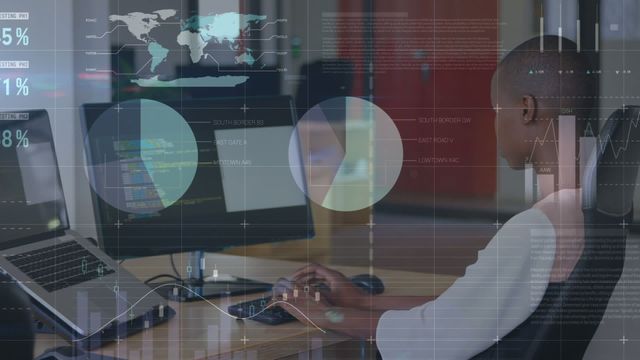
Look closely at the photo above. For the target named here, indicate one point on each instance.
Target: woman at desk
(534, 248)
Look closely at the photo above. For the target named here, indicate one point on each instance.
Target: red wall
(417, 80)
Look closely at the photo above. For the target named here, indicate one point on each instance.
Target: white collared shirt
(496, 294)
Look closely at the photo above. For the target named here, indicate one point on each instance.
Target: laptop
(74, 286)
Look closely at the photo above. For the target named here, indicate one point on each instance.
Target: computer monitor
(157, 189)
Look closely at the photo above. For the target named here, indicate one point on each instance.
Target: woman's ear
(528, 105)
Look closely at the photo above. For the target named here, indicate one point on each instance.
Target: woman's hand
(316, 311)
(305, 307)
(336, 288)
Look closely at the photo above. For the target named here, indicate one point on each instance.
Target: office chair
(16, 322)
(562, 326)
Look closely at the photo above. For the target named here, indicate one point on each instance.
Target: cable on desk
(162, 276)
(173, 265)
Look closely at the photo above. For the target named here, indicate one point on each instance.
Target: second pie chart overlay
(351, 152)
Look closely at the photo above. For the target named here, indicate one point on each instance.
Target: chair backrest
(322, 80)
(610, 177)
(570, 312)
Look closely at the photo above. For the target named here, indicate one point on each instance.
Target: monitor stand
(198, 287)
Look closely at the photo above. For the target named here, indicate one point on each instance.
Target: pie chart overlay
(144, 154)
(351, 153)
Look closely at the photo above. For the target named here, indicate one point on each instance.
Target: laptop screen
(31, 198)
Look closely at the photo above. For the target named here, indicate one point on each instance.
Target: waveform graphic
(272, 304)
(550, 136)
(550, 131)
(607, 140)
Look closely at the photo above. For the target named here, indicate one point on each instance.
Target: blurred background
(427, 63)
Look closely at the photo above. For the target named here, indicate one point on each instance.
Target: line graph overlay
(603, 142)
(272, 304)
(550, 136)
(95, 36)
(269, 23)
(549, 132)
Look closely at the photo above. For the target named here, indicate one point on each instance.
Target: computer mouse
(369, 283)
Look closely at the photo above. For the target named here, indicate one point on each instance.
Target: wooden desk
(199, 331)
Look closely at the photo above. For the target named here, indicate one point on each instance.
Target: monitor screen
(267, 149)
(194, 175)
(31, 198)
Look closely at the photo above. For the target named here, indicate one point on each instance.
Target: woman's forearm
(362, 322)
(356, 323)
(394, 302)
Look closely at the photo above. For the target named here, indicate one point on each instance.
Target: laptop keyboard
(59, 266)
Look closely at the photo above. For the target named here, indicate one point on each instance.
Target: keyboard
(253, 309)
(59, 266)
